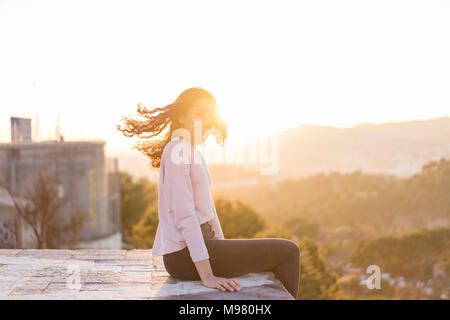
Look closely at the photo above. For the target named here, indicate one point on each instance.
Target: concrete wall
(90, 180)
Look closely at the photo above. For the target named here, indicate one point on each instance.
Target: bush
(145, 230)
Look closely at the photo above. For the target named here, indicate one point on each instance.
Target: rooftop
(113, 274)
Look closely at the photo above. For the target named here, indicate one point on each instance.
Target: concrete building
(91, 180)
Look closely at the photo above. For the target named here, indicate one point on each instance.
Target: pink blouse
(184, 201)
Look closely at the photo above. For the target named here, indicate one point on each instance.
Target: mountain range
(395, 148)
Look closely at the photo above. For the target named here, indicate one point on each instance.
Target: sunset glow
(337, 64)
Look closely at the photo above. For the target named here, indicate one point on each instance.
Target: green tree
(145, 230)
(238, 220)
(301, 227)
(410, 255)
(274, 232)
(135, 198)
(317, 280)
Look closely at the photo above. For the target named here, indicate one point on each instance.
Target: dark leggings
(235, 257)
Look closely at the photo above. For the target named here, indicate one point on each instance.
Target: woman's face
(200, 111)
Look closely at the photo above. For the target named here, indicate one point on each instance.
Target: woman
(189, 235)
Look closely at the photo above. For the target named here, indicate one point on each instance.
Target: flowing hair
(161, 122)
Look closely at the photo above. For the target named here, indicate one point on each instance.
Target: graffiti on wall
(8, 238)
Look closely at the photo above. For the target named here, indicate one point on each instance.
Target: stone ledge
(113, 274)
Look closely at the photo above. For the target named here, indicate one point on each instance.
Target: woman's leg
(235, 257)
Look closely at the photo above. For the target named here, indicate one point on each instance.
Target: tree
(135, 198)
(317, 280)
(145, 230)
(237, 219)
(60, 234)
(39, 208)
(301, 227)
(274, 232)
(410, 255)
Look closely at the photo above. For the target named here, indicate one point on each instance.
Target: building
(91, 180)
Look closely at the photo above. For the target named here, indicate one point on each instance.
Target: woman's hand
(223, 284)
(211, 281)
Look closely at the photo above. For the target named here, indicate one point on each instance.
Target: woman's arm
(211, 281)
(181, 201)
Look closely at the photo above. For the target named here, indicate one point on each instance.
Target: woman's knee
(284, 247)
(292, 249)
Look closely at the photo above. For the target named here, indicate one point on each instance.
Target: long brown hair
(167, 119)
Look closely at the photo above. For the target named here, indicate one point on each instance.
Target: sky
(272, 65)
